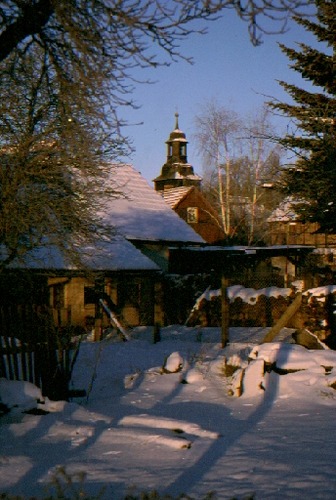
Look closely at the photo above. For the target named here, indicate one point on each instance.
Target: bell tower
(176, 171)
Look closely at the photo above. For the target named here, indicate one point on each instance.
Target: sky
(227, 68)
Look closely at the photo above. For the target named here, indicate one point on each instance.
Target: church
(181, 189)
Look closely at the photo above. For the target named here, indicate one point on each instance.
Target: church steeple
(176, 171)
(177, 145)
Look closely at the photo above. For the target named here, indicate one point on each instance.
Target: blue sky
(227, 68)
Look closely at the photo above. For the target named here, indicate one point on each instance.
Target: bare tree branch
(110, 24)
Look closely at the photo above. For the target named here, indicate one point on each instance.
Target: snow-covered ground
(144, 426)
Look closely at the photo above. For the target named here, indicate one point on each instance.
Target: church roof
(175, 174)
(173, 196)
(177, 134)
(176, 171)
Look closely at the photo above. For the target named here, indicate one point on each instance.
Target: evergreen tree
(312, 182)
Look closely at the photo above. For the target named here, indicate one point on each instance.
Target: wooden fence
(33, 349)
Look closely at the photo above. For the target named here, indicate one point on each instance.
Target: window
(183, 150)
(192, 215)
(128, 294)
(90, 296)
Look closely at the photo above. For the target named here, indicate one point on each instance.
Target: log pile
(316, 313)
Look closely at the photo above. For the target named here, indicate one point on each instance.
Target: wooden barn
(126, 270)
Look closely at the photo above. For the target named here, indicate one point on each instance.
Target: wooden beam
(282, 322)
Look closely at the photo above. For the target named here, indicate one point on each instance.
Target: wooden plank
(14, 352)
(3, 366)
(37, 366)
(31, 355)
(9, 358)
(24, 368)
(283, 320)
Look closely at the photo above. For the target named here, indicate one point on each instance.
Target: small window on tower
(192, 215)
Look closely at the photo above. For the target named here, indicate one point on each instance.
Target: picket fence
(34, 349)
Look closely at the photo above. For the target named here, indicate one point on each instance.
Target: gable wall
(207, 225)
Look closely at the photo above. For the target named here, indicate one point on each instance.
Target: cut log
(308, 339)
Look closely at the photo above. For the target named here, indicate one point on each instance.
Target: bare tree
(239, 156)
(65, 69)
(263, 156)
(99, 42)
(216, 135)
(52, 169)
(110, 29)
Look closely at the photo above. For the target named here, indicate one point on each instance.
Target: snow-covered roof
(142, 214)
(285, 212)
(116, 255)
(139, 214)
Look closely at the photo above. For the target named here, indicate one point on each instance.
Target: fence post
(156, 333)
(225, 311)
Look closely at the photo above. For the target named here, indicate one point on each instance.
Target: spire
(176, 121)
(176, 171)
